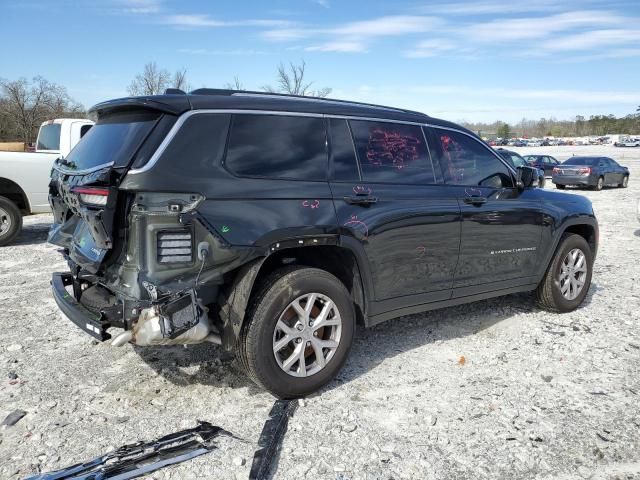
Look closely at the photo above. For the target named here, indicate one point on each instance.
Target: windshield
(49, 137)
(580, 161)
(114, 139)
(518, 161)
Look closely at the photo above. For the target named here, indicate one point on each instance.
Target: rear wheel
(10, 221)
(599, 184)
(561, 187)
(568, 277)
(625, 182)
(298, 332)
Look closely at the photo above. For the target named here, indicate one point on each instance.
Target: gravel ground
(495, 389)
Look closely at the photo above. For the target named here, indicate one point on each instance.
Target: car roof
(216, 99)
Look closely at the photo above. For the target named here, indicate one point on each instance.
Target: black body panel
(413, 246)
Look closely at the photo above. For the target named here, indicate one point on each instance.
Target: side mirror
(527, 177)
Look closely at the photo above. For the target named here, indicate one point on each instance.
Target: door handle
(475, 200)
(361, 200)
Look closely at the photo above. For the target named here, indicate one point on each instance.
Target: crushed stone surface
(495, 389)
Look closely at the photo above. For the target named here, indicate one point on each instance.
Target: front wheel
(625, 182)
(568, 277)
(298, 333)
(10, 221)
(560, 187)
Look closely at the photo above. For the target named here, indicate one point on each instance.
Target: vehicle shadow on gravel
(208, 364)
(32, 234)
(204, 364)
(407, 333)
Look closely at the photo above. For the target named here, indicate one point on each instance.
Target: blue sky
(474, 61)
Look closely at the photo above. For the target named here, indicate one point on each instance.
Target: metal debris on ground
(140, 458)
(13, 418)
(271, 438)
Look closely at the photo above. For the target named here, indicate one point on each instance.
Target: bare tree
(154, 80)
(27, 104)
(180, 80)
(235, 85)
(291, 80)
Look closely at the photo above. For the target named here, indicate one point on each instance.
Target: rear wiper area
(137, 459)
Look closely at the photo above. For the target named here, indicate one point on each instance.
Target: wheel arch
(11, 190)
(585, 226)
(339, 260)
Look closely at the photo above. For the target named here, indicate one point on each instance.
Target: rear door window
(467, 161)
(342, 152)
(277, 146)
(392, 152)
(49, 137)
(113, 139)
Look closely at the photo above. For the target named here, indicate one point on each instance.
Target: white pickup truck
(24, 176)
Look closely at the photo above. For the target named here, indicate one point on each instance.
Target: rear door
(501, 226)
(83, 189)
(393, 207)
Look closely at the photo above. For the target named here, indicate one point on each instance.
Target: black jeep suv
(270, 224)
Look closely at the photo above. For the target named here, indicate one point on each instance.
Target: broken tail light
(92, 195)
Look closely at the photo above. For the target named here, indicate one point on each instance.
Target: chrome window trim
(187, 115)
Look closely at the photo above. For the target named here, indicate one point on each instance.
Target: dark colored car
(544, 162)
(520, 143)
(594, 172)
(516, 160)
(270, 224)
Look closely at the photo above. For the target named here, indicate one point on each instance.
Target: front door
(501, 226)
(390, 202)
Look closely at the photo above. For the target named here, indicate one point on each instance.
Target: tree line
(579, 126)
(25, 104)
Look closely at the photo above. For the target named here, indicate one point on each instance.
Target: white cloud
(431, 48)
(141, 7)
(344, 47)
(231, 52)
(593, 39)
(538, 27)
(387, 26)
(196, 20)
(322, 3)
(494, 7)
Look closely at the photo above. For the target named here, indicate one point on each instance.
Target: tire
(255, 347)
(560, 187)
(625, 182)
(10, 221)
(599, 184)
(549, 292)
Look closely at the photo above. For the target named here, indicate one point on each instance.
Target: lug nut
(298, 340)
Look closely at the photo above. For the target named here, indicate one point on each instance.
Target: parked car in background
(545, 162)
(594, 172)
(269, 224)
(516, 160)
(628, 142)
(519, 143)
(24, 176)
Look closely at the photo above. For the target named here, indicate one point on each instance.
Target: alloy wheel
(5, 221)
(307, 335)
(573, 274)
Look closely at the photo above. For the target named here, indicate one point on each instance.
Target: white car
(24, 176)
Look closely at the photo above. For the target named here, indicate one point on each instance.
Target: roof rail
(250, 93)
(174, 91)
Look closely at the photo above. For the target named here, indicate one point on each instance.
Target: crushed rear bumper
(83, 318)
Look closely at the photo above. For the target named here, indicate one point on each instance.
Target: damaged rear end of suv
(133, 255)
